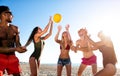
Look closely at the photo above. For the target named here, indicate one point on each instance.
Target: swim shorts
(64, 61)
(89, 61)
(10, 63)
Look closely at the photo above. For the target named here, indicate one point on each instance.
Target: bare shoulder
(14, 27)
(78, 41)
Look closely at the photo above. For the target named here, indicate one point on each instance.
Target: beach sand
(51, 69)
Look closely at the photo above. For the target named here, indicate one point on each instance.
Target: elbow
(45, 31)
(50, 32)
(55, 40)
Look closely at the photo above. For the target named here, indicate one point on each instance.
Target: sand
(50, 70)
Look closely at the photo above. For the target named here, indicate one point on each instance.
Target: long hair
(63, 40)
(32, 36)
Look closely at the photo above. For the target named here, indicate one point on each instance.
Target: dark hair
(32, 36)
(3, 8)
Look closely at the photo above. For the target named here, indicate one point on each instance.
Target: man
(9, 43)
(109, 57)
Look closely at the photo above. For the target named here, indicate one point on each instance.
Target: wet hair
(32, 36)
(3, 8)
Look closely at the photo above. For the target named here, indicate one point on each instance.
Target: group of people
(87, 46)
(10, 43)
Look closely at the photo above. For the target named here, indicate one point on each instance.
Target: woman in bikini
(38, 40)
(65, 45)
(89, 57)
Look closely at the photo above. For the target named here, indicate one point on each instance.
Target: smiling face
(82, 32)
(7, 16)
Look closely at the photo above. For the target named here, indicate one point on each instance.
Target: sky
(94, 15)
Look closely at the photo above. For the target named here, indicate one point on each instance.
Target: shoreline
(51, 70)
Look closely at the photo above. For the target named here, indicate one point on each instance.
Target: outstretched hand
(59, 28)
(21, 49)
(50, 18)
(67, 27)
(74, 49)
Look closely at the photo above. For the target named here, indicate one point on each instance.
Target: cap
(3, 8)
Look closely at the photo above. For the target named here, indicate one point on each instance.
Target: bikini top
(66, 48)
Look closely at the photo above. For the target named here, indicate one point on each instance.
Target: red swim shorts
(10, 63)
(89, 61)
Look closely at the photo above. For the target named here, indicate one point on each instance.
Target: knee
(111, 68)
(79, 73)
(33, 74)
(58, 73)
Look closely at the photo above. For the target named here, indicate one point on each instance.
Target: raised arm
(50, 31)
(95, 44)
(57, 35)
(46, 28)
(67, 29)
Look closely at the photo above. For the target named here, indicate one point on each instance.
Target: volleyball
(57, 17)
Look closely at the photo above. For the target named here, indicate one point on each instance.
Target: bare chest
(83, 43)
(7, 33)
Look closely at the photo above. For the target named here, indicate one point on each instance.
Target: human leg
(13, 66)
(68, 69)
(94, 69)
(109, 70)
(59, 69)
(38, 64)
(33, 66)
(3, 63)
(81, 69)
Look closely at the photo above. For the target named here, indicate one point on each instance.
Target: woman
(106, 47)
(38, 40)
(65, 45)
(89, 57)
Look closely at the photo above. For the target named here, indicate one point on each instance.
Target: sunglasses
(9, 13)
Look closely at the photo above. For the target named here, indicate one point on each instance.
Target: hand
(21, 49)
(50, 20)
(67, 27)
(59, 28)
(74, 49)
